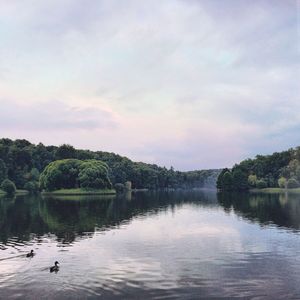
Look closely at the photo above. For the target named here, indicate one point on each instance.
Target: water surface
(176, 245)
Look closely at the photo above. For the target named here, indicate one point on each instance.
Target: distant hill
(22, 162)
(281, 169)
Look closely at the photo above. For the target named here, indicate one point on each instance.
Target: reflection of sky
(184, 251)
(212, 246)
(178, 81)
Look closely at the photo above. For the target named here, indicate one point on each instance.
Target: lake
(163, 245)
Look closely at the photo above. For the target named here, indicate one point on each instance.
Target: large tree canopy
(74, 173)
(94, 174)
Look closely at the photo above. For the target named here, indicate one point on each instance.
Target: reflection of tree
(19, 217)
(68, 219)
(280, 209)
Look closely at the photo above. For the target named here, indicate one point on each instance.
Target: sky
(193, 84)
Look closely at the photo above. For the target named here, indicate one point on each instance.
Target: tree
(65, 151)
(32, 186)
(94, 174)
(60, 174)
(294, 169)
(3, 170)
(292, 183)
(282, 182)
(252, 180)
(220, 182)
(261, 184)
(74, 173)
(8, 186)
(119, 187)
(34, 174)
(22, 161)
(227, 181)
(239, 180)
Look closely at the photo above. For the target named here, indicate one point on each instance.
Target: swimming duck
(55, 268)
(30, 254)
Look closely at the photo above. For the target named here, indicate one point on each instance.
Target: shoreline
(17, 193)
(79, 192)
(276, 191)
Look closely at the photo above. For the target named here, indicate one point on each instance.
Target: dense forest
(22, 162)
(281, 169)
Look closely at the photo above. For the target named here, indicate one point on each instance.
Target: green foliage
(34, 174)
(268, 168)
(239, 180)
(32, 186)
(3, 170)
(292, 183)
(220, 183)
(23, 161)
(60, 174)
(292, 170)
(252, 180)
(119, 187)
(261, 184)
(8, 186)
(94, 174)
(232, 180)
(65, 151)
(227, 181)
(74, 173)
(282, 182)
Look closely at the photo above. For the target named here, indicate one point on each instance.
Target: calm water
(177, 245)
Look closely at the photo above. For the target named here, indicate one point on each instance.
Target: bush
(8, 186)
(32, 186)
(292, 183)
(261, 184)
(282, 182)
(119, 187)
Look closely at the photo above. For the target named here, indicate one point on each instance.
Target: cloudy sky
(186, 83)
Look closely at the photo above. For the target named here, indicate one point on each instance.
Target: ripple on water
(163, 251)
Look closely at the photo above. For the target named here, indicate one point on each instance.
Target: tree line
(23, 162)
(281, 169)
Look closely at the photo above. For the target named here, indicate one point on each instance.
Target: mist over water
(175, 245)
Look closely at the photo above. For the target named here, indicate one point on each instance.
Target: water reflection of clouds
(186, 249)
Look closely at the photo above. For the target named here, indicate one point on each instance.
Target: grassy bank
(22, 192)
(276, 191)
(80, 192)
(18, 192)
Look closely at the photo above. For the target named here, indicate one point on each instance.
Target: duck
(55, 268)
(30, 254)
